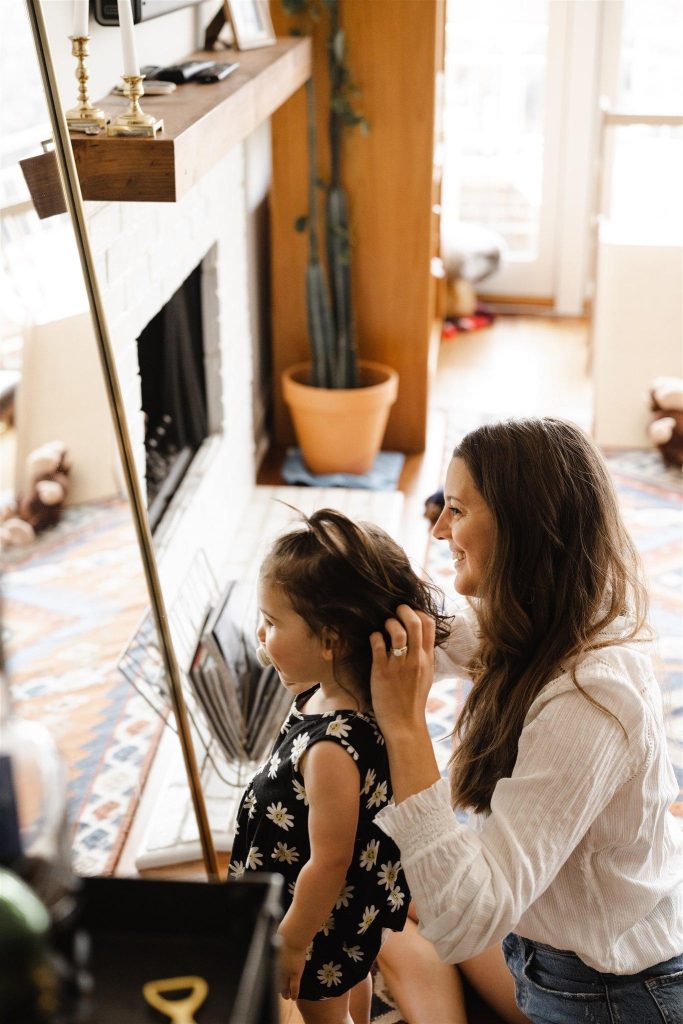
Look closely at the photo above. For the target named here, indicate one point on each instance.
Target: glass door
(504, 78)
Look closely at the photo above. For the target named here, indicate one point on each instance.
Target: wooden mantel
(201, 123)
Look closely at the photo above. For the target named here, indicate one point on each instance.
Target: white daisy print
(344, 896)
(369, 915)
(300, 792)
(291, 887)
(330, 974)
(350, 750)
(280, 815)
(388, 874)
(254, 858)
(309, 952)
(328, 926)
(298, 747)
(338, 727)
(379, 795)
(250, 803)
(396, 899)
(354, 952)
(274, 765)
(285, 854)
(370, 777)
(237, 869)
(368, 857)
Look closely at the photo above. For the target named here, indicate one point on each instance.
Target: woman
(572, 860)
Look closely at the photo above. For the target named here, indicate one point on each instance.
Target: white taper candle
(130, 57)
(80, 19)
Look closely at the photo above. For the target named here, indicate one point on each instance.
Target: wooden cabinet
(395, 51)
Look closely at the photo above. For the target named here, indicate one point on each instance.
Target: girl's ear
(332, 645)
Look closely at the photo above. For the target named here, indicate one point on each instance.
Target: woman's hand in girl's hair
(400, 683)
(292, 962)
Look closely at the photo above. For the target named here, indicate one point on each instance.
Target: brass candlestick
(84, 115)
(135, 121)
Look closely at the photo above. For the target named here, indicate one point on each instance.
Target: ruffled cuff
(421, 821)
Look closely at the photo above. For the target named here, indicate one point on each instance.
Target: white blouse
(579, 850)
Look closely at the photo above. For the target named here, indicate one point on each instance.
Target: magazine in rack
(244, 704)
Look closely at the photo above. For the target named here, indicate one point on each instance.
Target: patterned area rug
(71, 602)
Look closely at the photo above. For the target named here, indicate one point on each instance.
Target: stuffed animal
(666, 429)
(43, 503)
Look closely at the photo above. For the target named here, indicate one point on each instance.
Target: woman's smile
(468, 525)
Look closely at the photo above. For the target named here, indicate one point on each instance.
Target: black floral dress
(272, 835)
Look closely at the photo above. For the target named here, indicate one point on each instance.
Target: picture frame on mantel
(251, 23)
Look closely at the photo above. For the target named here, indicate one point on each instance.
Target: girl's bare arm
(332, 788)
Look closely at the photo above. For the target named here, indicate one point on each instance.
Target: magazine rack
(142, 666)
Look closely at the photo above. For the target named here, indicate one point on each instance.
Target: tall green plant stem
(337, 218)
(320, 325)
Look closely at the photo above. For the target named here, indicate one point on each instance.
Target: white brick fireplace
(143, 253)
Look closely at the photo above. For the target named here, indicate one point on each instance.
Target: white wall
(164, 40)
(637, 334)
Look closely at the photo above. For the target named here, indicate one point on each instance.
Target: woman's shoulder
(620, 677)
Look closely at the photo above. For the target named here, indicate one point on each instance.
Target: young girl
(573, 861)
(308, 812)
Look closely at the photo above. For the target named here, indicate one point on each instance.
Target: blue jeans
(553, 986)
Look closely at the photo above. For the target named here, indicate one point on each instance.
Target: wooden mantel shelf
(201, 123)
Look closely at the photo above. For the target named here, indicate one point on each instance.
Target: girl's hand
(400, 684)
(292, 961)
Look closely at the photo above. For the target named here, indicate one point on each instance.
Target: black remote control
(185, 72)
(217, 72)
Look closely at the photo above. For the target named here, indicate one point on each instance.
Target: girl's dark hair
(563, 568)
(349, 578)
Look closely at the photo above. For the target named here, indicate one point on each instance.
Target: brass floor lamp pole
(74, 201)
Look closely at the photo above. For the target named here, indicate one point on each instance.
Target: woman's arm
(471, 887)
(332, 788)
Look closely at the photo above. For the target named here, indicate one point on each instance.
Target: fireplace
(173, 386)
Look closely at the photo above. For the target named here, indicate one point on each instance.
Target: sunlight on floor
(520, 366)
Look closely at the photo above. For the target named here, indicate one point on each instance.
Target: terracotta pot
(340, 430)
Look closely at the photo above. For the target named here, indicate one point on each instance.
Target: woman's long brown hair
(562, 570)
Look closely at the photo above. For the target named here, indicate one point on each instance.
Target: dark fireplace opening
(171, 360)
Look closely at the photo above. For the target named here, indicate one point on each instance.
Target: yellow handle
(179, 1011)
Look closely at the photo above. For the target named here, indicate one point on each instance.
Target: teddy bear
(666, 429)
(42, 504)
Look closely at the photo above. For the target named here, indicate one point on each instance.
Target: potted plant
(339, 404)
